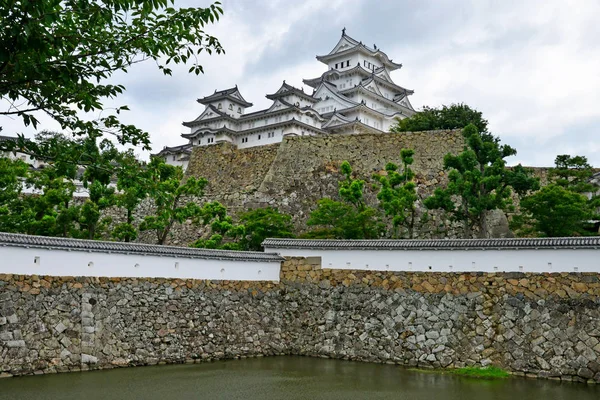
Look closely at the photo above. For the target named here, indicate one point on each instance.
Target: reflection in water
(283, 378)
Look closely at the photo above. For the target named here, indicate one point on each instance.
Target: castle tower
(356, 94)
(357, 89)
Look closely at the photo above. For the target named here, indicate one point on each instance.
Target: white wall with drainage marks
(58, 262)
(458, 260)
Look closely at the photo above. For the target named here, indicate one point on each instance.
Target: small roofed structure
(176, 155)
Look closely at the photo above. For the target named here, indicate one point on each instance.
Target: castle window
(258, 137)
(365, 62)
(219, 107)
(348, 63)
(173, 157)
(210, 140)
(239, 110)
(231, 107)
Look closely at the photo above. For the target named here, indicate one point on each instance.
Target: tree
(479, 181)
(100, 158)
(12, 175)
(564, 206)
(173, 198)
(573, 173)
(56, 57)
(224, 234)
(350, 218)
(132, 184)
(263, 223)
(398, 194)
(455, 116)
(49, 212)
(552, 211)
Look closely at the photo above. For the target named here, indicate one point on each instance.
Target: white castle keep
(356, 94)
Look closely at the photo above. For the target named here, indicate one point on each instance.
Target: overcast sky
(532, 67)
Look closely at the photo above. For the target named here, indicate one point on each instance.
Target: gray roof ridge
(416, 244)
(20, 240)
(361, 86)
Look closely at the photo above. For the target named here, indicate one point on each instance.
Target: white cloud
(531, 67)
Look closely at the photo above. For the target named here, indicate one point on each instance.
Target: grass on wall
(479, 372)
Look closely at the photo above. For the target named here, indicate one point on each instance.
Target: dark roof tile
(437, 244)
(12, 239)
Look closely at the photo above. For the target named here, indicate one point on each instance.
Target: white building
(17, 155)
(356, 94)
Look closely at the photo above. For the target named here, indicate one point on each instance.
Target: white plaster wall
(223, 137)
(372, 60)
(388, 94)
(329, 105)
(530, 260)
(21, 260)
(264, 138)
(204, 140)
(352, 58)
(176, 162)
(387, 123)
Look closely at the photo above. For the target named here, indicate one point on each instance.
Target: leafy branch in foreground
(56, 58)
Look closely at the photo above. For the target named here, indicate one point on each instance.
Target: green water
(283, 378)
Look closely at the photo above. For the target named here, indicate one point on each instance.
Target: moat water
(286, 378)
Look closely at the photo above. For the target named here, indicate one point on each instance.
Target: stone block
(65, 354)
(60, 327)
(15, 343)
(12, 319)
(88, 359)
(585, 373)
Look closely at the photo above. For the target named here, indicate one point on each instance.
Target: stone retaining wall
(545, 325)
(294, 174)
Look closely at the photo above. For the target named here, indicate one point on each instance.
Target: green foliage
(174, 199)
(553, 211)
(479, 181)
(455, 116)
(58, 56)
(99, 157)
(125, 232)
(349, 218)
(223, 231)
(12, 174)
(398, 194)
(51, 213)
(132, 184)
(563, 207)
(490, 372)
(573, 173)
(263, 223)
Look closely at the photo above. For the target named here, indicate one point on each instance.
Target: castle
(355, 95)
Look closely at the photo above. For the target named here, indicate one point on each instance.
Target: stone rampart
(296, 173)
(545, 325)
